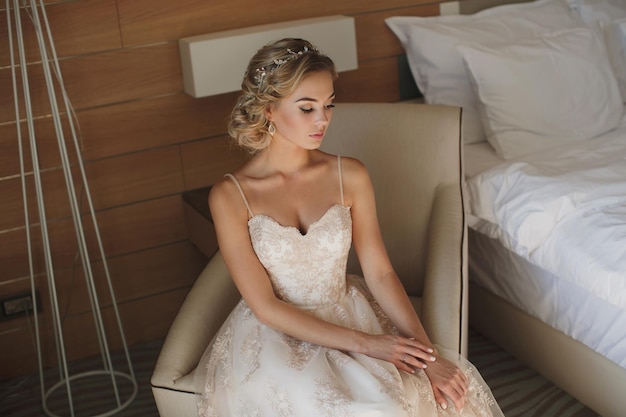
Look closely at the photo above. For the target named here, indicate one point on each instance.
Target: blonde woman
(307, 339)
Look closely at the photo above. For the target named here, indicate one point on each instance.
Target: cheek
(292, 121)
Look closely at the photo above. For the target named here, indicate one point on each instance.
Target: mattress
(561, 303)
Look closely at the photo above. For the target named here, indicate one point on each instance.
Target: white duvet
(563, 210)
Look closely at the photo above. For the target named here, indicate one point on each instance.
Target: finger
(406, 367)
(456, 394)
(462, 382)
(440, 398)
(459, 403)
(421, 346)
(421, 355)
(413, 361)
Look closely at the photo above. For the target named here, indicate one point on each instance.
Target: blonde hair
(273, 73)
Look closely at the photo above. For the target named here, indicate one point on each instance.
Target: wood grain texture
(124, 229)
(78, 27)
(147, 21)
(122, 75)
(134, 276)
(151, 123)
(134, 177)
(113, 182)
(374, 81)
(48, 154)
(148, 318)
(98, 79)
(56, 203)
(203, 168)
(375, 39)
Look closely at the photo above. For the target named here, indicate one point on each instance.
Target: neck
(286, 161)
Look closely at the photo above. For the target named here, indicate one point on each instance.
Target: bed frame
(594, 380)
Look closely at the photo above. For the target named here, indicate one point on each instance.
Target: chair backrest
(409, 149)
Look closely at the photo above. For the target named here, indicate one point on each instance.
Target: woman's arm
(386, 287)
(372, 254)
(230, 218)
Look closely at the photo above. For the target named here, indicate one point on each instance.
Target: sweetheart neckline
(295, 227)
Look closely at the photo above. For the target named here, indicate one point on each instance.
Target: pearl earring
(271, 129)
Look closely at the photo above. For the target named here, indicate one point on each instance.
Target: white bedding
(557, 302)
(557, 282)
(563, 210)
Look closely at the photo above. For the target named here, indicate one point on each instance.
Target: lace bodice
(307, 270)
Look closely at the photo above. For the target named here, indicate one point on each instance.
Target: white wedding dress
(252, 370)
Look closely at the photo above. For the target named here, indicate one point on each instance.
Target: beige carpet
(520, 391)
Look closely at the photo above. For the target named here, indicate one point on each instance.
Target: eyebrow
(312, 99)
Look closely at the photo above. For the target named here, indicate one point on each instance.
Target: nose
(323, 119)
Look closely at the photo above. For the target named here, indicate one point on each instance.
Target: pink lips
(318, 135)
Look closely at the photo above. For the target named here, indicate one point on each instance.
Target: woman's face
(302, 117)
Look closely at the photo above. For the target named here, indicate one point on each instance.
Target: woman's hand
(447, 379)
(406, 354)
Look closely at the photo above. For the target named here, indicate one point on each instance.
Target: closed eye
(305, 111)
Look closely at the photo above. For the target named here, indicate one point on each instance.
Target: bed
(542, 85)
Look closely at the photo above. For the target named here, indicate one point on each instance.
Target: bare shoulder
(353, 170)
(356, 179)
(225, 197)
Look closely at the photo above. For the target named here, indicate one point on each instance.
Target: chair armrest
(205, 308)
(445, 283)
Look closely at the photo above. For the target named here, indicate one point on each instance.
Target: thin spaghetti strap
(340, 179)
(245, 200)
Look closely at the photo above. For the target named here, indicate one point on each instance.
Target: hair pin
(261, 73)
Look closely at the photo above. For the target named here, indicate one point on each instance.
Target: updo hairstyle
(273, 73)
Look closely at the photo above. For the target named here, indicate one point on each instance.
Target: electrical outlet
(17, 305)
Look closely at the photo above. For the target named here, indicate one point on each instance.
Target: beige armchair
(413, 153)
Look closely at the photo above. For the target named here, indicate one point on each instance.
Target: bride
(307, 339)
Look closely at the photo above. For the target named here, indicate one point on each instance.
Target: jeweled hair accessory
(261, 73)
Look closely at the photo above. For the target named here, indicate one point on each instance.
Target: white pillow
(607, 16)
(593, 11)
(430, 44)
(544, 92)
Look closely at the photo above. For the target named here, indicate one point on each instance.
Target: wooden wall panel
(113, 182)
(12, 205)
(124, 229)
(134, 177)
(143, 142)
(39, 97)
(138, 226)
(375, 39)
(139, 125)
(151, 271)
(147, 318)
(380, 77)
(47, 2)
(123, 75)
(55, 199)
(99, 79)
(201, 166)
(14, 256)
(9, 151)
(147, 21)
(47, 146)
(78, 27)
(17, 361)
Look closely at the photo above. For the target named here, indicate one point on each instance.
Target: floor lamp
(51, 70)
